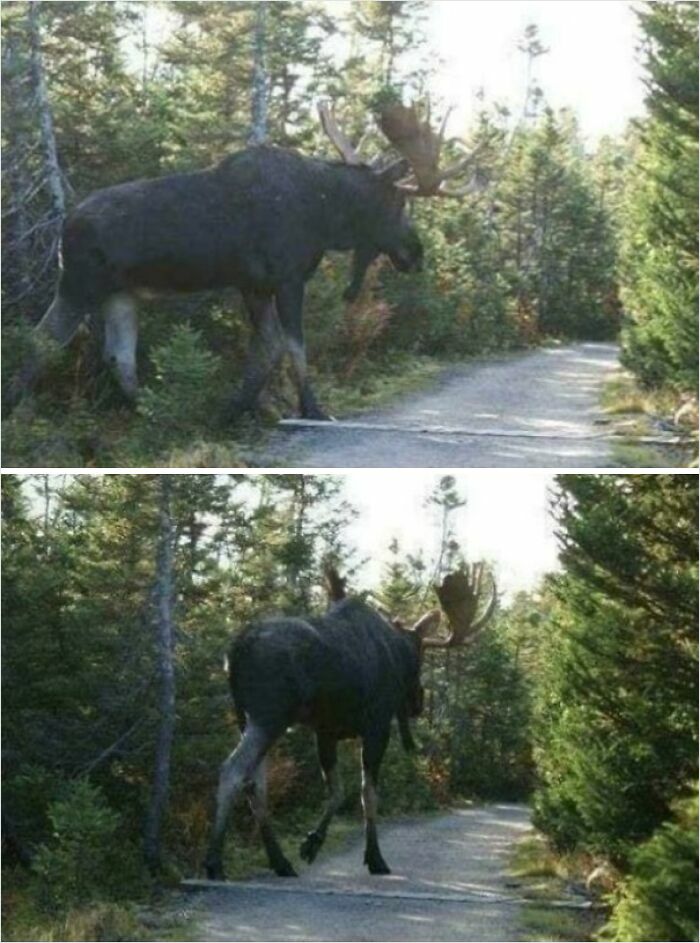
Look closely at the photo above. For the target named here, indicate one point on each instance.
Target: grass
(632, 412)
(542, 876)
(377, 387)
(541, 923)
(100, 920)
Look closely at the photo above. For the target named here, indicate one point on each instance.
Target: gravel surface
(546, 402)
(447, 883)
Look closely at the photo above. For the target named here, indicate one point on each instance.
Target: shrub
(179, 400)
(75, 865)
(659, 898)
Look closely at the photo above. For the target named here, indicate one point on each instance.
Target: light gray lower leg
(236, 771)
(121, 336)
(308, 405)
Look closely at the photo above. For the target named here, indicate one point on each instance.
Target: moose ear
(395, 171)
(427, 624)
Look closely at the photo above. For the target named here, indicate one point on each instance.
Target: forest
(120, 594)
(565, 240)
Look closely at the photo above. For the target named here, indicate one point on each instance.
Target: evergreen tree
(616, 731)
(660, 253)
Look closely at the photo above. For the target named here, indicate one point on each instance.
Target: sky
(591, 67)
(592, 64)
(506, 520)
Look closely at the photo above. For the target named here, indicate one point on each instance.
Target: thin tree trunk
(258, 111)
(163, 593)
(48, 138)
(16, 168)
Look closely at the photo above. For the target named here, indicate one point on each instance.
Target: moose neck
(349, 208)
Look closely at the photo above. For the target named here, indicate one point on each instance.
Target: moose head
(416, 173)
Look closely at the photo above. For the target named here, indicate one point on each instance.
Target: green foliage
(407, 785)
(616, 701)
(658, 898)
(179, 400)
(659, 272)
(75, 865)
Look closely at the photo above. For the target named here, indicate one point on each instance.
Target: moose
(261, 220)
(346, 674)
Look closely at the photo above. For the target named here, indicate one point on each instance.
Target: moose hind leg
(120, 339)
(290, 304)
(328, 757)
(257, 796)
(61, 321)
(372, 753)
(236, 771)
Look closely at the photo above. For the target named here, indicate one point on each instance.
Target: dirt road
(537, 409)
(447, 883)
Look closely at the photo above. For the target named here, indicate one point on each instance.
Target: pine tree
(615, 738)
(660, 251)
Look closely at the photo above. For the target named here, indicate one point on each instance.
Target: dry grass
(542, 877)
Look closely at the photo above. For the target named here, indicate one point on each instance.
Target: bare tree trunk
(48, 138)
(163, 599)
(258, 110)
(16, 170)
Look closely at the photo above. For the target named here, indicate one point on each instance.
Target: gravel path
(541, 405)
(447, 883)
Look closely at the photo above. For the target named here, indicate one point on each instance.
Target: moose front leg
(373, 747)
(328, 758)
(264, 353)
(290, 304)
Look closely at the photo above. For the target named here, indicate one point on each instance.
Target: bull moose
(346, 674)
(260, 221)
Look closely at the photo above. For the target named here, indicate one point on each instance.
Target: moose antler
(340, 141)
(415, 140)
(460, 595)
(335, 583)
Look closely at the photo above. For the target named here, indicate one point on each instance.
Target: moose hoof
(377, 865)
(284, 869)
(318, 414)
(310, 846)
(214, 872)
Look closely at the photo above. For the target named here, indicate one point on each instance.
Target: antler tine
(443, 126)
(339, 140)
(487, 613)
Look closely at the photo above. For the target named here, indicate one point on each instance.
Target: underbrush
(391, 340)
(87, 433)
(636, 413)
(92, 922)
(542, 876)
